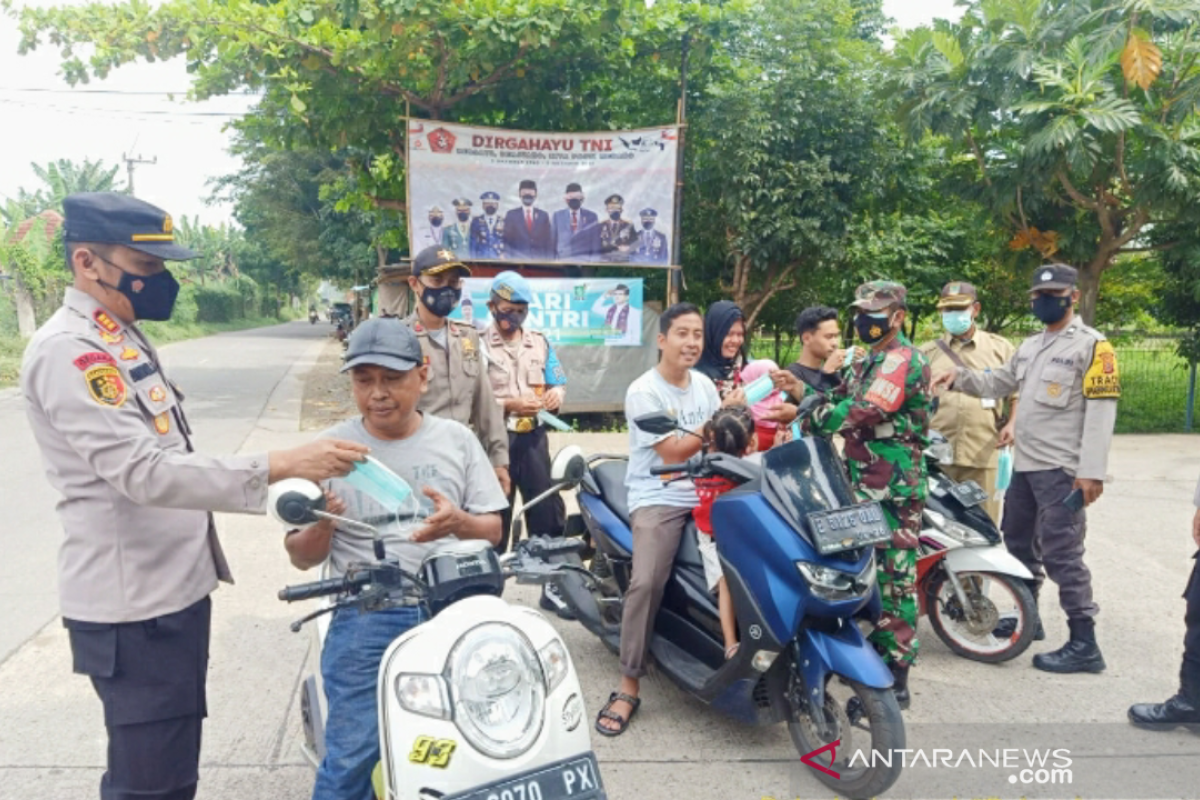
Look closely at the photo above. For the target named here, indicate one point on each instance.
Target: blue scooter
(798, 556)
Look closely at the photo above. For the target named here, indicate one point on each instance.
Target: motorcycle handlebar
(307, 591)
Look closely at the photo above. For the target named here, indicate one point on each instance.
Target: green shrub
(217, 303)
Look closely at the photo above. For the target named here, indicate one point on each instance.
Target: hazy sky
(129, 113)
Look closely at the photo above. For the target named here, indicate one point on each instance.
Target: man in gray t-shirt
(455, 493)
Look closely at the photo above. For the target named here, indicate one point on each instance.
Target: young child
(731, 431)
(764, 428)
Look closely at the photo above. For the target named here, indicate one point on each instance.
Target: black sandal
(608, 713)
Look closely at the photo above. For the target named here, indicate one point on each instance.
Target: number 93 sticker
(432, 752)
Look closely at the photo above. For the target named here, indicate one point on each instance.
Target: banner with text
(570, 311)
(496, 195)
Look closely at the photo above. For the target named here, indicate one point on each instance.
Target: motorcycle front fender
(842, 652)
(986, 559)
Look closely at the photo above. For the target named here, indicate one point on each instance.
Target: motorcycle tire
(879, 707)
(941, 620)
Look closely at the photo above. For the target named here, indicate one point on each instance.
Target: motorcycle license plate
(969, 493)
(573, 779)
(860, 525)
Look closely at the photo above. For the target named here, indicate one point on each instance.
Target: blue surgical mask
(386, 487)
(1004, 469)
(957, 322)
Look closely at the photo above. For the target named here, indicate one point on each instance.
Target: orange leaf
(1141, 60)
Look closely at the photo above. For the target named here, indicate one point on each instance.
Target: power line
(130, 111)
(51, 90)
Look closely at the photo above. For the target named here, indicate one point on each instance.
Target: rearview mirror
(292, 501)
(659, 423)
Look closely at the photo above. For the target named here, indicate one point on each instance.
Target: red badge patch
(92, 359)
(105, 385)
(887, 392)
(105, 322)
(158, 394)
(129, 354)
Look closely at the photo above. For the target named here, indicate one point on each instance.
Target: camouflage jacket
(882, 412)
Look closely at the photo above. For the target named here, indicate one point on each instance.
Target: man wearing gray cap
(1069, 384)
(455, 494)
(140, 555)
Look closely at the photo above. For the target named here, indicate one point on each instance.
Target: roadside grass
(161, 333)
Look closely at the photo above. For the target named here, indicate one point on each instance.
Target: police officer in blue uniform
(652, 244)
(487, 229)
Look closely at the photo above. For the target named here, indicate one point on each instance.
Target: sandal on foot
(608, 713)
(732, 650)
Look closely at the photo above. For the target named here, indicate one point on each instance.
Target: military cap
(957, 294)
(435, 210)
(574, 187)
(113, 218)
(527, 184)
(384, 342)
(614, 198)
(649, 213)
(435, 259)
(878, 295)
(462, 202)
(512, 287)
(1053, 276)
(490, 196)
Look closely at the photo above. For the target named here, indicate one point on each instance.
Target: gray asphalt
(227, 379)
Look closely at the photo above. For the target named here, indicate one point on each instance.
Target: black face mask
(614, 215)
(528, 199)
(648, 226)
(435, 221)
(511, 321)
(872, 329)
(490, 210)
(574, 205)
(152, 296)
(441, 302)
(464, 215)
(1050, 309)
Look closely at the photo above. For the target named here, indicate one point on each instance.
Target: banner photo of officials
(569, 311)
(495, 195)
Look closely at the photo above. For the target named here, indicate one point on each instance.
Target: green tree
(1079, 116)
(60, 178)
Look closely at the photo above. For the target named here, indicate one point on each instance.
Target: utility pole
(130, 161)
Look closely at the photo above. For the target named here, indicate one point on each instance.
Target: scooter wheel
(999, 623)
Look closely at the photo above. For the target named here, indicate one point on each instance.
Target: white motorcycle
(482, 702)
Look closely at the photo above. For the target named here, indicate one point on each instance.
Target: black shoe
(1166, 716)
(900, 686)
(1074, 656)
(1007, 627)
(552, 601)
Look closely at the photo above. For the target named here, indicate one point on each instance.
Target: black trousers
(1040, 531)
(529, 467)
(150, 677)
(1189, 677)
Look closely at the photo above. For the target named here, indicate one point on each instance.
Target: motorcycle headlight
(941, 452)
(499, 689)
(426, 695)
(956, 530)
(835, 585)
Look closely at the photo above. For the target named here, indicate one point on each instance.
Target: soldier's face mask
(442, 300)
(872, 328)
(435, 220)
(151, 296)
(1050, 308)
(464, 215)
(648, 224)
(957, 322)
(614, 214)
(490, 208)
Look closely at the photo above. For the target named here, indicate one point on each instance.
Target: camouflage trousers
(895, 636)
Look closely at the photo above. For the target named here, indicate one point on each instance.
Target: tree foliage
(59, 179)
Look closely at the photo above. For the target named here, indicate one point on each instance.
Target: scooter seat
(610, 478)
(688, 554)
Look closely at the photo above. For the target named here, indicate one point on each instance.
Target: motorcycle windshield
(803, 476)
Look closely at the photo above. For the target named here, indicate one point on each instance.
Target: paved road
(226, 378)
(51, 739)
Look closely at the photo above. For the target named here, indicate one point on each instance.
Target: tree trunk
(1089, 287)
(26, 317)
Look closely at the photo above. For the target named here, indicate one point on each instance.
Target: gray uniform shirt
(459, 387)
(1069, 388)
(136, 501)
(443, 455)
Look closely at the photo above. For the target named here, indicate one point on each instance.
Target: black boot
(900, 685)
(1080, 654)
(1005, 629)
(1178, 710)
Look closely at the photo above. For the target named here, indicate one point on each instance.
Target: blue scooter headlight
(835, 585)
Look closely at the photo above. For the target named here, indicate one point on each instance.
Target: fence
(1155, 381)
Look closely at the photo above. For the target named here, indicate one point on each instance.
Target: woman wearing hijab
(724, 346)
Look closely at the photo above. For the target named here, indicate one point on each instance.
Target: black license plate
(573, 779)
(861, 525)
(969, 493)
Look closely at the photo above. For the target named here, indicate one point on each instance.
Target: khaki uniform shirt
(459, 388)
(969, 423)
(136, 500)
(1069, 387)
(529, 367)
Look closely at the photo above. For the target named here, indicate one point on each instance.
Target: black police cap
(112, 218)
(1053, 276)
(436, 259)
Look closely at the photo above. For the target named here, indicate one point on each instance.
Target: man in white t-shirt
(659, 511)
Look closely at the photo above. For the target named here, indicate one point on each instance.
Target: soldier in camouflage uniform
(882, 412)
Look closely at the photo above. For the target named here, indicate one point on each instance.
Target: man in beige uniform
(141, 554)
(1069, 383)
(459, 388)
(970, 424)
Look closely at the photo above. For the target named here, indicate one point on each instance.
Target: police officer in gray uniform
(141, 554)
(1063, 433)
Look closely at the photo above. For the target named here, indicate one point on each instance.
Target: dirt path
(327, 399)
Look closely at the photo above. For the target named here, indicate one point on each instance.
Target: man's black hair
(675, 312)
(620, 287)
(811, 318)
